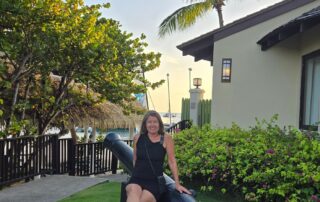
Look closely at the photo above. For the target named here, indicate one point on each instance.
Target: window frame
(224, 80)
(305, 58)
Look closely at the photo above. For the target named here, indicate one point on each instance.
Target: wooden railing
(25, 157)
(182, 125)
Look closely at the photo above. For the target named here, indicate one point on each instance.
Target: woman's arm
(173, 164)
(135, 140)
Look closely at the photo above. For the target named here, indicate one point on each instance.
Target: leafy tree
(71, 40)
(186, 16)
(21, 25)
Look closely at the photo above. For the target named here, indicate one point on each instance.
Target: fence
(185, 109)
(25, 157)
(204, 112)
(182, 125)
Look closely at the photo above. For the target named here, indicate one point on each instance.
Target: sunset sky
(144, 16)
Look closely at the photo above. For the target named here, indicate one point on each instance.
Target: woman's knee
(147, 196)
(133, 189)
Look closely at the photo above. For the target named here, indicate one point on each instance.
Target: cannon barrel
(124, 153)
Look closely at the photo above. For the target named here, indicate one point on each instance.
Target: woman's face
(152, 125)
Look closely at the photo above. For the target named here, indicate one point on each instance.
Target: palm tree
(186, 16)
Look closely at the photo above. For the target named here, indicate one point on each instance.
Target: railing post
(71, 157)
(55, 154)
(3, 163)
(114, 164)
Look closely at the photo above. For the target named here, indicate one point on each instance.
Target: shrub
(264, 163)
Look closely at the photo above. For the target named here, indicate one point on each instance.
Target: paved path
(53, 187)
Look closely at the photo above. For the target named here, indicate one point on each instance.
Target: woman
(149, 149)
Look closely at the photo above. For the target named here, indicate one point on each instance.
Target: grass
(103, 192)
(110, 192)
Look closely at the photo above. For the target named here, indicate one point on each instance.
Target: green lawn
(110, 192)
(103, 192)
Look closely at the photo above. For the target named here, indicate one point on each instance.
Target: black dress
(143, 174)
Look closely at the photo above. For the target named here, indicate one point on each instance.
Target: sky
(145, 16)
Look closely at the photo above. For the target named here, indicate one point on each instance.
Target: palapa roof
(103, 114)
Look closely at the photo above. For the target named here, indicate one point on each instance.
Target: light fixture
(197, 82)
(226, 70)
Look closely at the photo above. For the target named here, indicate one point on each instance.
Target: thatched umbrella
(102, 115)
(92, 112)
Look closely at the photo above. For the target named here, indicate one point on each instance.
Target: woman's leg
(134, 192)
(146, 196)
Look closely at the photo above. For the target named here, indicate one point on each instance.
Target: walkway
(53, 187)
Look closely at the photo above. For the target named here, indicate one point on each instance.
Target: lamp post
(147, 102)
(169, 98)
(196, 96)
(190, 78)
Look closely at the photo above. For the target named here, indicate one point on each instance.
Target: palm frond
(213, 3)
(184, 17)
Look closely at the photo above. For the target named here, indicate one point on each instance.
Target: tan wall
(263, 83)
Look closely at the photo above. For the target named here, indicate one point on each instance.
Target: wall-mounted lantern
(226, 70)
(197, 82)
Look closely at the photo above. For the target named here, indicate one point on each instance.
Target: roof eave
(239, 25)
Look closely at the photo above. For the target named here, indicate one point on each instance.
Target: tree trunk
(73, 135)
(26, 94)
(49, 119)
(93, 133)
(11, 112)
(85, 134)
(220, 15)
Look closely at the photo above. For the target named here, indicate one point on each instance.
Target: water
(123, 132)
(175, 117)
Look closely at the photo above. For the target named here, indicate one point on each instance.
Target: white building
(273, 57)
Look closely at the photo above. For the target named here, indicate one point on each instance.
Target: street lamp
(169, 98)
(190, 78)
(147, 102)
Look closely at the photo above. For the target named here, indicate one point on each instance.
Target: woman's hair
(143, 129)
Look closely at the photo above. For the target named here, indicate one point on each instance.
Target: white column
(85, 134)
(131, 132)
(195, 96)
(94, 133)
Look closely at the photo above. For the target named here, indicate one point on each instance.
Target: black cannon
(125, 154)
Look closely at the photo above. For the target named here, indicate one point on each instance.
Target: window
(226, 70)
(310, 92)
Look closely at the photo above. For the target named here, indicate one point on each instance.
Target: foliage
(186, 16)
(264, 163)
(1, 111)
(100, 138)
(73, 41)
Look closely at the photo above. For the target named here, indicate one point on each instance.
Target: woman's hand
(181, 189)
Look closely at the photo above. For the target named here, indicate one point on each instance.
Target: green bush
(264, 163)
